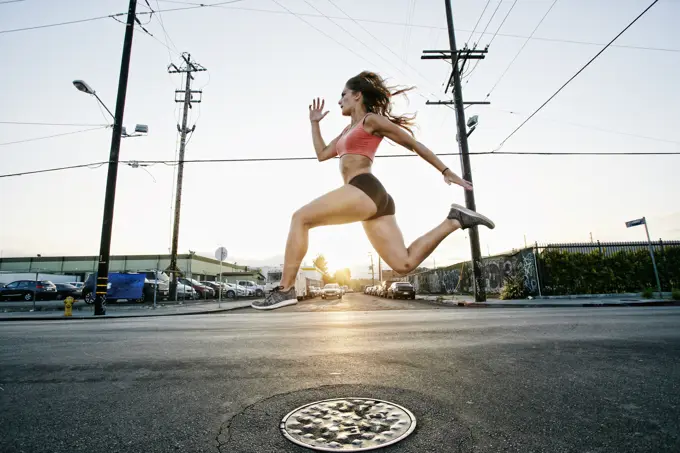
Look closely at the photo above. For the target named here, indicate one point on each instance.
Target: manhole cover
(348, 424)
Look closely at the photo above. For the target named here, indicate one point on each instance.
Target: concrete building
(191, 265)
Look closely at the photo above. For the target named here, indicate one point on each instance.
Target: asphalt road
(493, 380)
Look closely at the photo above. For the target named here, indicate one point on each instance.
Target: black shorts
(370, 185)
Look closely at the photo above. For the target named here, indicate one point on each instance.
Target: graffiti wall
(495, 270)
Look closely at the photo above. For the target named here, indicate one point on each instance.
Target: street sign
(636, 222)
(221, 254)
(643, 221)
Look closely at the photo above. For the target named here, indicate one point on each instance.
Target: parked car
(257, 290)
(204, 292)
(217, 286)
(186, 292)
(158, 282)
(78, 285)
(27, 289)
(381, 290)
(65, 290)
(401, 290)
(332, 290)
(234, 290)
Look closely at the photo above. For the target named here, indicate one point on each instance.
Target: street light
(140, 129)
(472, 123)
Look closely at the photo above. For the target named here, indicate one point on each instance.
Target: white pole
(651, 252)
(219, 303)
(155, 288)
(538, 282)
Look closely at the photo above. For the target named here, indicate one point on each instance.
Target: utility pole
(372, 270)
(379, 269)
(458, 61)
(110, 197)
(186, 97)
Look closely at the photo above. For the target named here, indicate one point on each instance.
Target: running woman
(367, 101)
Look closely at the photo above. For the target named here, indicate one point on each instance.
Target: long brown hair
(378, 97)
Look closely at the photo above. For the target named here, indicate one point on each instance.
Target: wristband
(444, 170)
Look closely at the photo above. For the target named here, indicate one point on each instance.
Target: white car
(236, 289)
(78, 285)
(185, 292)
(253, 288)
(332, 290)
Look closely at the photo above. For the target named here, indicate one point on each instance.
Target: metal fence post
(538, 280)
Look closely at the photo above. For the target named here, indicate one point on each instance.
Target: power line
(322, 32)
(373, 21)
(202, 5)
(478, 21)
(575, 75)
(347, 16)
(165, 32)
(492, 38)
(53, 136)
(78, 21)
(355, 37)
(503, 22)
(48, 170)
(521, 49)
(594, 128)
(53, 124)
(289, 159)
(490, 19)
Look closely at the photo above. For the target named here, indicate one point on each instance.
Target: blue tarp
(125, 286)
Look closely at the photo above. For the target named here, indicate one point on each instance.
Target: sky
(268, 59)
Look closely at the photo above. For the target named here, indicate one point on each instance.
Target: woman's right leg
(385, 236)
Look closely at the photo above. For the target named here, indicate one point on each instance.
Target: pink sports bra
(358, 141)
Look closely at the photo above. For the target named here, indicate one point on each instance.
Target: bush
(648, 293)
(599, 273)
(514, 287)
(675, 294)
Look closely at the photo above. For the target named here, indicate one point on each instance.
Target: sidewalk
(129, 311)
(623, 300)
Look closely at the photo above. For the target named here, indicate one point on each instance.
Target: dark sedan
(28, 289)
(401, 290)
(65, 290)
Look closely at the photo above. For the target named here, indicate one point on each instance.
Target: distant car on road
(27, 289)
(65, 290)
(401, 290)
(331, 290)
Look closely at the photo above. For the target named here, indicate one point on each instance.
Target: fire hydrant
(68, 304)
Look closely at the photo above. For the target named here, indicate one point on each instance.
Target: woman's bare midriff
(354, 164)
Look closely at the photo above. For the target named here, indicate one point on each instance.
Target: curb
(126, 316)
(600, 302)
(658, 303)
